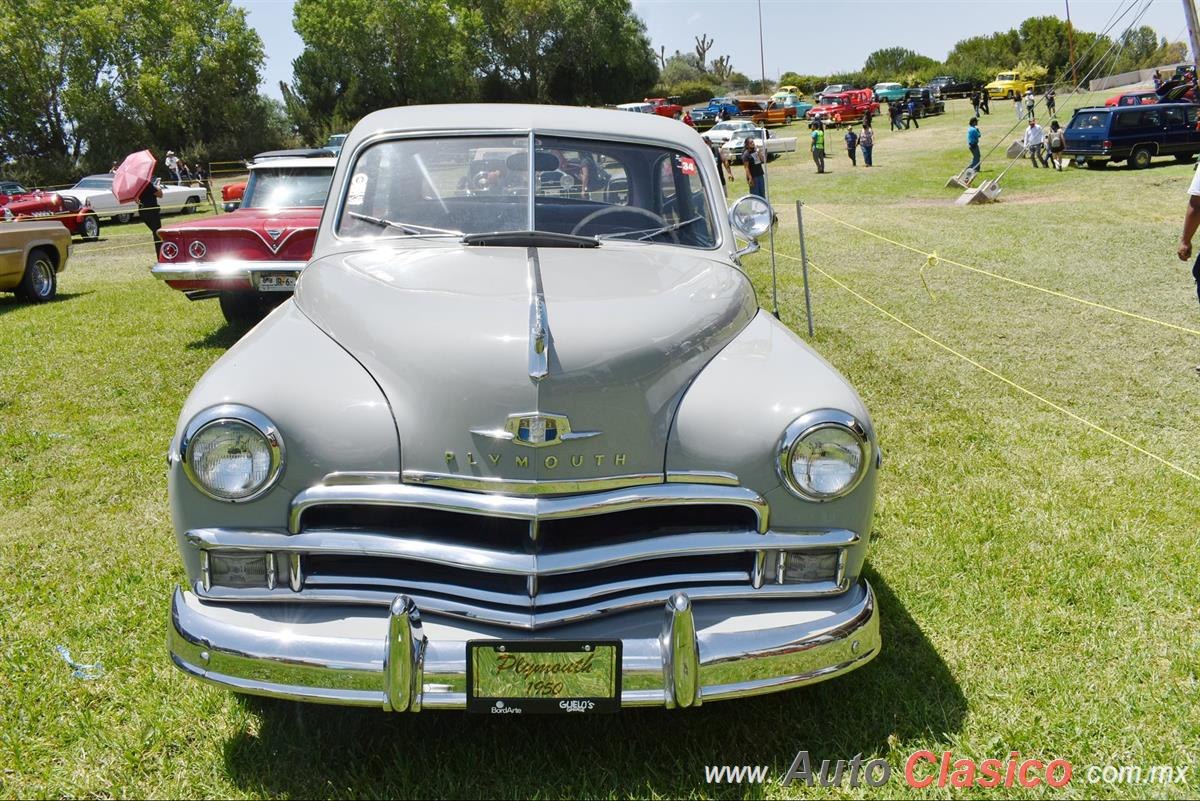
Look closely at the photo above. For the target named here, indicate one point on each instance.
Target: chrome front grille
(523, 562)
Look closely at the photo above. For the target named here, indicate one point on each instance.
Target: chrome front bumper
(223, 270)
(394, 660)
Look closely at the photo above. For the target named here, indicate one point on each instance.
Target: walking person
(912, 113)
(1035, 139)
(973, 135)
(818, 147)
(752, 160)
(1056, 143)
(172, 164)
(985, 102)
(148, 209)
(975, 103)
(1030, 103)
(867, 143)
(851, 145)
(894, 114)
(1050, 100)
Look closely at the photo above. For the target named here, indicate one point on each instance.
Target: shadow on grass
(222, 338)
(9, 303)
(316, 751)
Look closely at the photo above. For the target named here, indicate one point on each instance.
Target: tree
(681, 68)
(891, 62)
(721, 68)
(704, 43)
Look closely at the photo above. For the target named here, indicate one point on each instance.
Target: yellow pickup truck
(1008, 84)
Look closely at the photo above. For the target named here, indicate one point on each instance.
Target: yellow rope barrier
(933, 258)
(1063, 410)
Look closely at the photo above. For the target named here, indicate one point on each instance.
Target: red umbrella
(135, 172)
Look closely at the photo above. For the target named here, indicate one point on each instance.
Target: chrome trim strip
(343, 477)
(472, 557)
(528, 508)
(703, 477)
(680, 654)
(809, 423)
(295, 572)
(515, 486)
(539, 326)
(218, 270)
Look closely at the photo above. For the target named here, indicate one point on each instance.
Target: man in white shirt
(1035, 140)
(1191, 221)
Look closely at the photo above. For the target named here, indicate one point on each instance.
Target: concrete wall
(1126, 78)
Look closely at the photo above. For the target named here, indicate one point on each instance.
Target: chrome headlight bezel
(808, 424)
(241, 415)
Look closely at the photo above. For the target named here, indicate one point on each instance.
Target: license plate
(277, 282)
(556, 676)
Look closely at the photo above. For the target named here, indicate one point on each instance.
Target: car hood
(446, 333)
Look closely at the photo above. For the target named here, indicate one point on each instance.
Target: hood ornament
(539, 326)
(535, 430)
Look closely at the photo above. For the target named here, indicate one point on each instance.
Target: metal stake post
(804, 265)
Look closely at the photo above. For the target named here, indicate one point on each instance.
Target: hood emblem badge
(535, 430)
(274, 233)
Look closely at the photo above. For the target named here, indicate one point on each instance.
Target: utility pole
(1189, 14)
(1071, 47)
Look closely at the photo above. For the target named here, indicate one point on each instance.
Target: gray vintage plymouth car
(523, 440)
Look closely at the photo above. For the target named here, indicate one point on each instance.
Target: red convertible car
(11, 190)
(78, 217)
(250, 258)
(666, 107)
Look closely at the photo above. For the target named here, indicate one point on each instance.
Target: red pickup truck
(844, 107)
(666, 107)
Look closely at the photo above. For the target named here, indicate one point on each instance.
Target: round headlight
(232, 453)
(751, 216)
(824, 454)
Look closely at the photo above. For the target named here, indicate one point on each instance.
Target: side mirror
(750, 217)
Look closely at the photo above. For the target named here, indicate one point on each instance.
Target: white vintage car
(96, 191)
(776, 145)
(523, 440)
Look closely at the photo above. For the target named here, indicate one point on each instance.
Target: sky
(804, 36)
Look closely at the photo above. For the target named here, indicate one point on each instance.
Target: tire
(1011, 95)
(122, 218)
(91, 228)
(244, 310)
(189, 206)
(40, 281)
(1140, 158)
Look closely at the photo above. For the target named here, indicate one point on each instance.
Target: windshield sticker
(687, 166)
(358, 189)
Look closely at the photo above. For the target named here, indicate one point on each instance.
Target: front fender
(735, 412)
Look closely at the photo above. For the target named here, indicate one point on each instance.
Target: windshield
(287, 188)
(1006, 76)
(336, 139)
(1090, 120)
(95, 182)
(455, 186)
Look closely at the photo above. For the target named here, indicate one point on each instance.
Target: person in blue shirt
(973, 135)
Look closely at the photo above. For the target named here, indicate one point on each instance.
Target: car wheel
(123, 218)
(40, 281)
(1011, 95)
(189, 207)
(245, 310)
(91, 228)
(1139, 159)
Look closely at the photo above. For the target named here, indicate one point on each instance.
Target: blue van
(1133, 133)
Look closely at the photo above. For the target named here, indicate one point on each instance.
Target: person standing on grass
(723, 167)
(851, 145)
(867, 143)
(973, 135)
(1191, 221)
(1030, 103)
(1056, 143)
(148, 209)
(818, 147)
(1050, 100)
(894, 115)
(975, 103)
(752, 160)
(985, 102)
(1035, 139)
(912, 113)
(1018, 108)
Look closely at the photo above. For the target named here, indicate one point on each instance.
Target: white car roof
(293, 163)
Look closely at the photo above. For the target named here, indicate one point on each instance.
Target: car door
(12, 256)
(1175, 137)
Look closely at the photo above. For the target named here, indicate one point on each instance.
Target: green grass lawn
(1037, 579)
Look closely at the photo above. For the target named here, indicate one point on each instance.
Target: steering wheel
(659, 222)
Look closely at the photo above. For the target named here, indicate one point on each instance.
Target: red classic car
(666, 107)
(11, 190)
(231, 195)
(250, 258)
(78, 217)
(844, 107)
(1133, 98)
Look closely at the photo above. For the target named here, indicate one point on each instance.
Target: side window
(1173, 116)
(1151, 119)
(1126, 120)
(1191, 115)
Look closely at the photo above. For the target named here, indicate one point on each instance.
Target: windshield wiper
(531, 239)
(408, 228)
(650, 233)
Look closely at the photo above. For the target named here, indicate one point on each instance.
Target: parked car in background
(789, 89)
(773, 145)
(96, 191)
(1135, 134)
(948, 86)
(637, 108)
(845, 107)
(231, 195)
(835, 89)
(774, 114)
(1009, 85)
(887, 92)
(11, 190)
(927, 103)
(32, 254)
(249, 259)
(798, 104)
(666, 107)
(78, 218)
(484, 459)
(1142, 98)
(721, 132)
(334, 143)
(715, 105)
